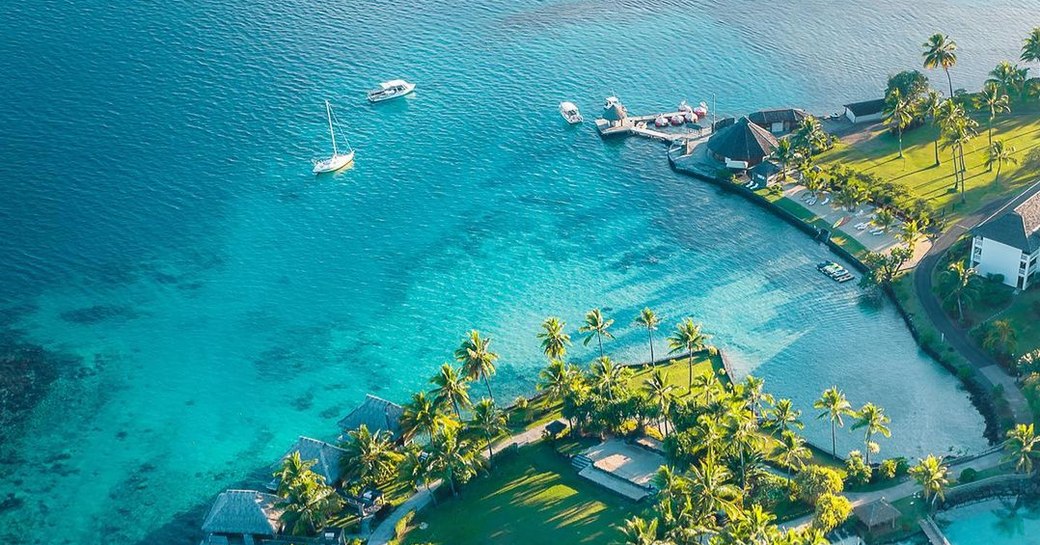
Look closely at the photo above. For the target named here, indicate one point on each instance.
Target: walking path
(384, 532)
(955, 336)
(907, 487)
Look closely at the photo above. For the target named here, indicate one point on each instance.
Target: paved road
(953, 335)
(385, 531)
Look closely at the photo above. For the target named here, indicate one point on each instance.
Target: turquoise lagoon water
(994, 522)
(160, 225)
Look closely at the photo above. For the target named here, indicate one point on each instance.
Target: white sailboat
(338, 160)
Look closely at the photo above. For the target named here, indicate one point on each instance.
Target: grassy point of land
(876, 152)
(534, 496)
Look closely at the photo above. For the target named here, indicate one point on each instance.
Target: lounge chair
(861, 226)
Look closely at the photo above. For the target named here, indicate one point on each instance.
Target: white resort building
(1008, 242)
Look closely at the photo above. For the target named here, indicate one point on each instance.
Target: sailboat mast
(328, 112)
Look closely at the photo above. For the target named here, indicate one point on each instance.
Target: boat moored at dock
(835, 271)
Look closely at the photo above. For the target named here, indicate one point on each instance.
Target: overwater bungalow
(241, 517)
(741, 145)
(377, 414)
(326, 456)
(779, 121)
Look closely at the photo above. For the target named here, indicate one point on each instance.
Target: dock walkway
(932, 532)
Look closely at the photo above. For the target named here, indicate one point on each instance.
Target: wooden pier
(643, 125)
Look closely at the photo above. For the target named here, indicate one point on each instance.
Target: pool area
(1004, 521)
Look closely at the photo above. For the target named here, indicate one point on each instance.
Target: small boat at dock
(395, 88)
(570, 112)
(835, 271)
(338, 160)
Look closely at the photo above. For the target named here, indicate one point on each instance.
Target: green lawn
(532, 497)
(677, 373)
(1024, 313)
(877, 153)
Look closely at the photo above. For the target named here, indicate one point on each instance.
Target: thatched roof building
(376, 414)
(327, 457)
(742, 145)
(243, 513)
(877, 514)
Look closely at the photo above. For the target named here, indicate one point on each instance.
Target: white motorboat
(387, 90)
(570, 112)
(338, 160)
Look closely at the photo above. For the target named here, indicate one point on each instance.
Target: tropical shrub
(831, 511)
(816, 481)
(968, 475)
(858, 473)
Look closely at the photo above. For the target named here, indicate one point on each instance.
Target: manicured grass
(534, 496)
(1025, 318)
(878, 153)
(677, 373)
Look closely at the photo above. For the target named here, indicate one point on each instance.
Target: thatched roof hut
(327, 457)
(243, 512)
(742, 145)
(376, 414)
(877, 514)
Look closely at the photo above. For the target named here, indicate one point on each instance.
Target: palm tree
(834, 406)
(451, 389)
(784, 416)
(306, 501)
(810, 136)
(898, 114)
(752, 392)
(811, 179)
(293, 470)
(421, 416)
(884, 218)
(941, 52)
(596, 327)
(1001, 335)
(961, 284)
(607, 377)
(1000, 155)
(453, 459)
(1008, 78)
(554, 339)
(1022, 446)
(649, 320)
(792, 452)
(1031, 47)
(785, 155)
(639, 531)
(555, 380)
(370, 457)
(477, 361)
(873, 420)
(672, 489)
(660, 393)
(688, 337)
(958, 131)
(489, 420)
(708, 384)
(993, 100)
(911, 232)
(710, 488)
(416, 469)
(930, 473)
(930, 105)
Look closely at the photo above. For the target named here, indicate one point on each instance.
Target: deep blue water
(158, 219)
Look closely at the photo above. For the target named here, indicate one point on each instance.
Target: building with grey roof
(242, 516)
(377, 414)
(1008, 242)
